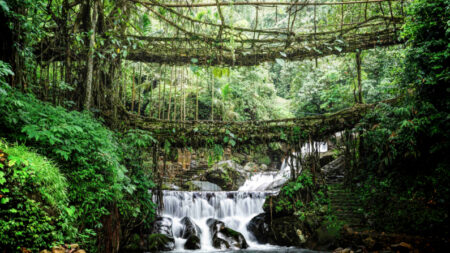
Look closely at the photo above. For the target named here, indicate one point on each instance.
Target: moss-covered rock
(192, 243)
(228, 175)
(135, 243)
(288, 231)
(160, 242)
(259, 228)
(224, 237)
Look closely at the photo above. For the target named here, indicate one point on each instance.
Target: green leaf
(4, 200)
(2, 174)
(279, 61)
(194, 60)
(232, 142)
(4, 6)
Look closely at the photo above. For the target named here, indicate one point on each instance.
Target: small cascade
(235, 208)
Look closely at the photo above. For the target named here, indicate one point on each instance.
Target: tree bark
(133, 90)
(358, 69)
(90, 59)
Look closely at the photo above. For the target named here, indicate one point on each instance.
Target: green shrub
(34, 211)
(88, 154)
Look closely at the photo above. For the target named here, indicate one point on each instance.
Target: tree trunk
(170, 93)
(133, 91)
(358, 69)
(90, 59)
(212, 97)
(196, 99)
(159, 92)
(139, 89)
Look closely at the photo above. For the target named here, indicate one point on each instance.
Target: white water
(234, 208)
(274, 180)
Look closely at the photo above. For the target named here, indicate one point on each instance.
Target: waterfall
(234, 208)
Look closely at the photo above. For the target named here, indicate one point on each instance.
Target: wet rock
(341, 250)
(264, 167)
(162, 225)
(74, 246)
(161, 238)
(326, 158)
(369, 242)
(135, 243)
(322, 239)
(189, 228)
(259, 228)
(228, 175)
(224, 237)
(160, 242)
(192, 242)
(288, 231)
(333, 172)
(215, 225)
(251, 167)
(58, 249)
(204, 186)
(402, 247)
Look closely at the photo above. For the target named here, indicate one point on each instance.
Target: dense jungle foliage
(73, 168)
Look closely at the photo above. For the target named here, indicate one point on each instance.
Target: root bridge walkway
(290, 131)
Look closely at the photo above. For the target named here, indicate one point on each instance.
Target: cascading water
(235, 208)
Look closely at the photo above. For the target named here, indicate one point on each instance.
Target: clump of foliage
(85, 150)
(403, 165)
(34, 207)
(137, 209)
(300, 197)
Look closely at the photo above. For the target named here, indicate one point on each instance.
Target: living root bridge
(291, 131)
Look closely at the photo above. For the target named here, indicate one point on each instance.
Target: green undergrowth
(34, 207)
(88, 154)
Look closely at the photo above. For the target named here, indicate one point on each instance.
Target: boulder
(161, 238)
(134, 243)
(58, 249)
(251, 167)
(224, 237)
(162, 225)
(189, 228)
(325, 158)
(160, 242)
(402, 247)
(228, 175)
(192, 243)
(71, 248)
(341, 250)
(288, 231)
(264, 167)
(204, 186)
(333, 172)
(369, 242)
(259, 228)
(215, 225)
